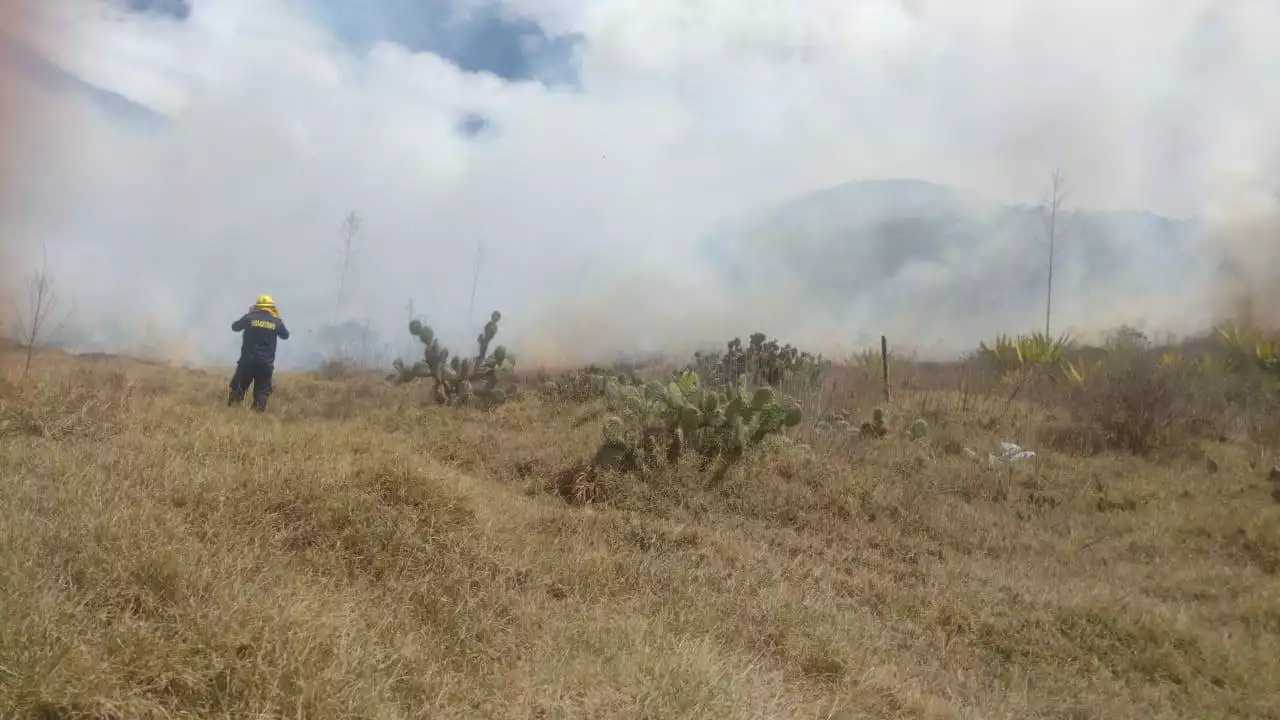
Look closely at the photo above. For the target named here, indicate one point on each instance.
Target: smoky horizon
(634, 176)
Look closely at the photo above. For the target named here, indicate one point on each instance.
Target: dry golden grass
(356, 553)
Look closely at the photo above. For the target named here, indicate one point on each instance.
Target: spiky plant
(1021, 354)
(1247, 347)
(1267, 356)
(460, 381)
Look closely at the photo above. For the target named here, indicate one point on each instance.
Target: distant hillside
(18, 57)
(950, 264)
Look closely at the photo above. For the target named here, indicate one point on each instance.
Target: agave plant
(1075, 375)
(1235, 337)
(1240, 344)
(1042, 350)
(1004, 354)
(1172, 359)
(1247, 347)
(1026, 352)
(1267, 354)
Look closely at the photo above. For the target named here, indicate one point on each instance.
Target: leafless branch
(42, 302)
(350, 226)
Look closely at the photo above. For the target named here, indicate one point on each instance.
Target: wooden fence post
(884, 365)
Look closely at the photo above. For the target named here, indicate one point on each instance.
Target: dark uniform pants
(247, 373)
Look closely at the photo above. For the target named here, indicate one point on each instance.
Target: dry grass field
(357, 552)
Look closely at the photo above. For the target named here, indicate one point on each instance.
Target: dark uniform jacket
(258, 343)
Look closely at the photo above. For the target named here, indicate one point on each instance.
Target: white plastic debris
(1009, 454)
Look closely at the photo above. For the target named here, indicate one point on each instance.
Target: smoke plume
(175, 165)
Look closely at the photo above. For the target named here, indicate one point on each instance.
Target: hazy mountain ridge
(952, 264)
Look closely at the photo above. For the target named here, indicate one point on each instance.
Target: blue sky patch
(481, 39)
(179, 9)
(484, 39)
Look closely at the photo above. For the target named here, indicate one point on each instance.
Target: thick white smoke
(590, 202)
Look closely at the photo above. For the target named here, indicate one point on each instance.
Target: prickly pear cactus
(919, 429)
(879, 425)
(460, 381)
(761, 362)
(653, 422)
(586, 384)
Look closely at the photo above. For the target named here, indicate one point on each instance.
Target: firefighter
(260, 329)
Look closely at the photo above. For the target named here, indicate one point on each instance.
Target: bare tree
(350, 226)
(42, 301)
(1051, 212)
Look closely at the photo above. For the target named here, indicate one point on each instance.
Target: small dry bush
(337, 369)
(1132, 402)
(1129, 404)
(1251, 408)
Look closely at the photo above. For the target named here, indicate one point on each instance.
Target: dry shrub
(1131, 403)
(336, 369)
(947, 441)
(580, 485)
(1251, 409)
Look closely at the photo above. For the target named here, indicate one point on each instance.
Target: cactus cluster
(585, 384)
(760, 362)
(460, 381)
(653, 423)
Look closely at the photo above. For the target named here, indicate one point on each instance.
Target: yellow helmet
(265, 300)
